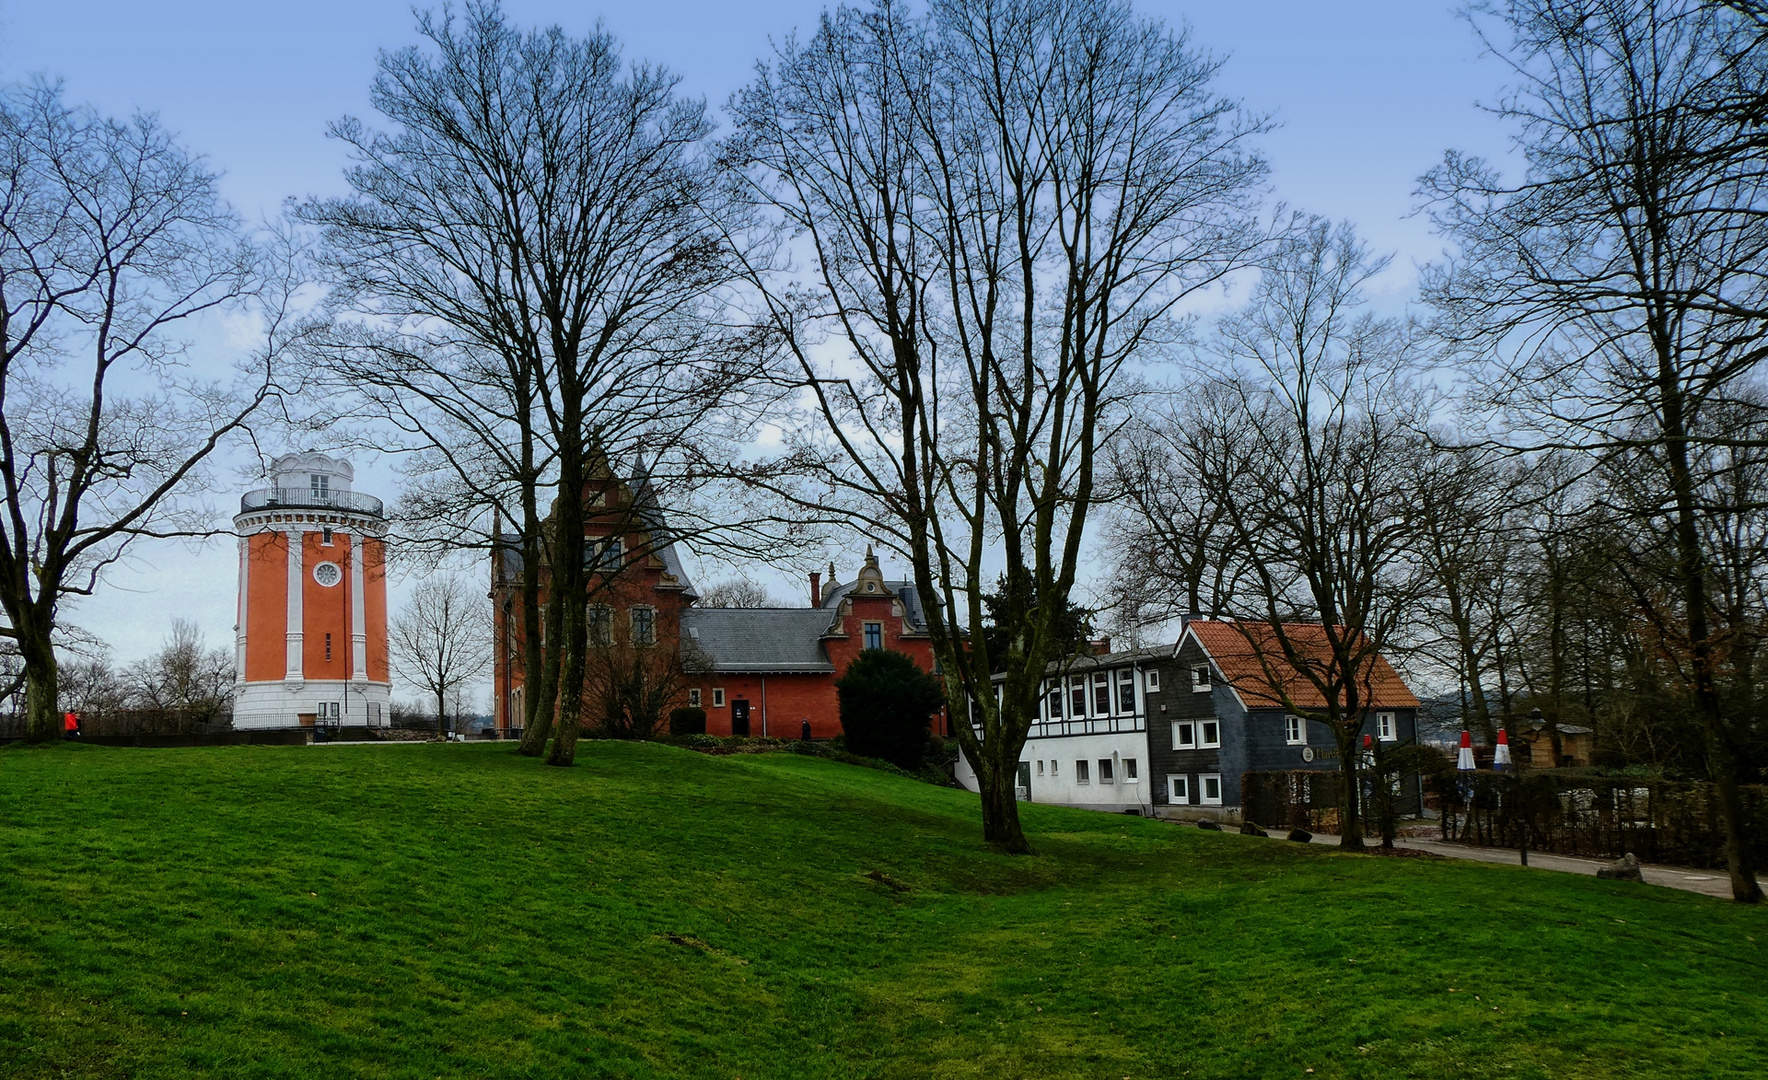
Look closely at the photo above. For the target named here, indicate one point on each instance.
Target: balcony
(306, 498)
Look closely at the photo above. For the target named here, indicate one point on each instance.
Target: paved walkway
(1707, 882)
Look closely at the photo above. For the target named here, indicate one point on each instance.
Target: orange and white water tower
(312, 634)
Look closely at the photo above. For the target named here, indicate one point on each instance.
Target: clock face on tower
(327, 574)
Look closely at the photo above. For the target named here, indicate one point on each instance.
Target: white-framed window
(1153, 679)
(693, 697)
(1210, 784)
(319, 484)
(1105, 771)
(874, 635)
(1053, 764)
(1101, 693)
(644, 626)
(1178, 789)
(718, 697)
(601, 625)
(1129, 770)
(325, 536)
(1295, 730)
(1077, 697)
(1197, 734)
(1126, 691)
(1080, 772)
(1056, 700)
(1200, 678)
(1040, 767)
(1384, 727)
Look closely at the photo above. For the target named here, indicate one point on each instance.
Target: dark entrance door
(740, 717)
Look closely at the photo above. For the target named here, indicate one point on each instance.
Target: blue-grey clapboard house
(1217, 715)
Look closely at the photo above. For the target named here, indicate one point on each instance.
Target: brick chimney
(816, 589)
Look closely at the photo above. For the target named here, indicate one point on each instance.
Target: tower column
(295, 670)
(358, 614)
(239, 626)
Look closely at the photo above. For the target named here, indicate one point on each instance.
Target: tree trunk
(42, 678)
(1350, 817)
(997, 782)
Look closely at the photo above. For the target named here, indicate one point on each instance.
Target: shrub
(886, 702)
(687, 721)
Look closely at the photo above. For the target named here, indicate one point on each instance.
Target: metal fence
(1573, 813)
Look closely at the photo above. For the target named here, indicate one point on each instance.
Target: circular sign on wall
(327, 574)
(1307, 753)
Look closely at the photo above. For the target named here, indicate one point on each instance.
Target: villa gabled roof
(1250, 657)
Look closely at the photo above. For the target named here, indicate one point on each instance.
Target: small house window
(1153, 679)
(325, 537)
(320, 485)
(1105, 770)
(874, 635)
(1056, 700)
(1209, 734)
(1212, 789)
(1129, 770)
(1384, 727)
(1295, 730)
(1101, 694)
(1126, 691)
(644, 626)
(601, 625)
(1080, 772)
(1040, 767)
(1077, 697)
(718, 697)
(1200, 677)
(1184, 735)
(694, 698)
(1053, 764)
(1178, 789)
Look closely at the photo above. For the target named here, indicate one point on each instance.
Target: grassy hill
(455, 911)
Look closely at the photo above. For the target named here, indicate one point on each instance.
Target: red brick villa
(756, 671)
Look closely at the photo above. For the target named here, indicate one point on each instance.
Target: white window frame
(1077, 686)
(1081, 772)
(319, 484)
(1053, 703)
(693, 697)
(1206, 684)
(1129, 771)
(1053, 764)
(1101, 681)
(1107, 774)
(1184, 726)
(1040, 766)
(1153, 680)
(1126, 680)
(1385, 728)
(1295, 730)
(1204, 742)
(1178, 789)
(1203, 782)
(718, 697)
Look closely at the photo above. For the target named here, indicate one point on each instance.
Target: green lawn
(456, 911)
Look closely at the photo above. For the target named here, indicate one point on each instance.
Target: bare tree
(1616, 295)
(1316, 499)
(184, 682)
(533, 229)
(999, 205)
(114, 246)
(737, 592)
(442, 640)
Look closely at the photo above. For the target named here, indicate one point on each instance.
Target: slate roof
(903, 591)
(759, 640)
(1243, 663)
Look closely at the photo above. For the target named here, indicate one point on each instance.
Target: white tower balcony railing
(275, 498)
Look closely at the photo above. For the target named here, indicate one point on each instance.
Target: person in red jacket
(70, 726)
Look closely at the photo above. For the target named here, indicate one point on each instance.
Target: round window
(327, 574)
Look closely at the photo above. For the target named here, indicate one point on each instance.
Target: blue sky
(1369, 94)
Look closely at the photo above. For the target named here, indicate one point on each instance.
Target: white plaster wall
(1058, 787)
(260, 705)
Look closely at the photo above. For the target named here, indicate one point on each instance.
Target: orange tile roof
(1244, 663)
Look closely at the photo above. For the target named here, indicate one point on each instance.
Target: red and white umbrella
(1501, 755)
(1464, 760)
